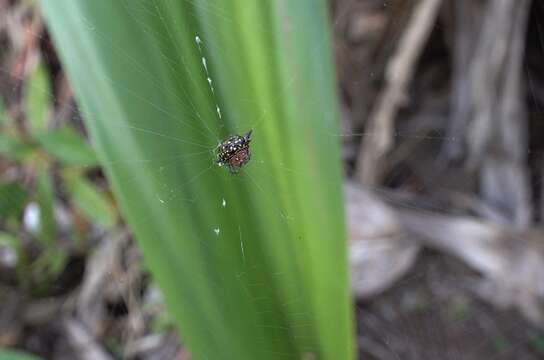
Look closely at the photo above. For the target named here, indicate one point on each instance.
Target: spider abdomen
(234, 152)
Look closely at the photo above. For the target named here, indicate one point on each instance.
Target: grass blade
(252, 265)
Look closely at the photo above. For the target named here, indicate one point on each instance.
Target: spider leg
(247, 136)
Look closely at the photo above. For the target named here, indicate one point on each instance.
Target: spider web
(203, 158)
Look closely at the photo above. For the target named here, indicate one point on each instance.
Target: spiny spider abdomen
(234, 152)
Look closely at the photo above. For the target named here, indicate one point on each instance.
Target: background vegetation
(440, 104)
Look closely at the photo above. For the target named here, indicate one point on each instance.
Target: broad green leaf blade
(67, 146)
(90, 200)
(252, 265)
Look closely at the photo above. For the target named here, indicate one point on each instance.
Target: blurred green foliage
(49, 165)
(16, 355)
(537, 343)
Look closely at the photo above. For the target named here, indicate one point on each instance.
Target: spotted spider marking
(234, 152)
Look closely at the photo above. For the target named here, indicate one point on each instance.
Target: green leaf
(45, 194)
(68, 147)
(252, 265)
(12, 199)
(537, 343)
(91, 201)
(13, 148)
(48, 266)
(4, 118)
(37, 99)
(8, 239)
(16, 355)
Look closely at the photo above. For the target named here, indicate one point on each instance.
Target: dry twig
(399, 72)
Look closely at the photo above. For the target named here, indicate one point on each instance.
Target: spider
(234, 152)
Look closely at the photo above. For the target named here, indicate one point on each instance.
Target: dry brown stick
(400, 70)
